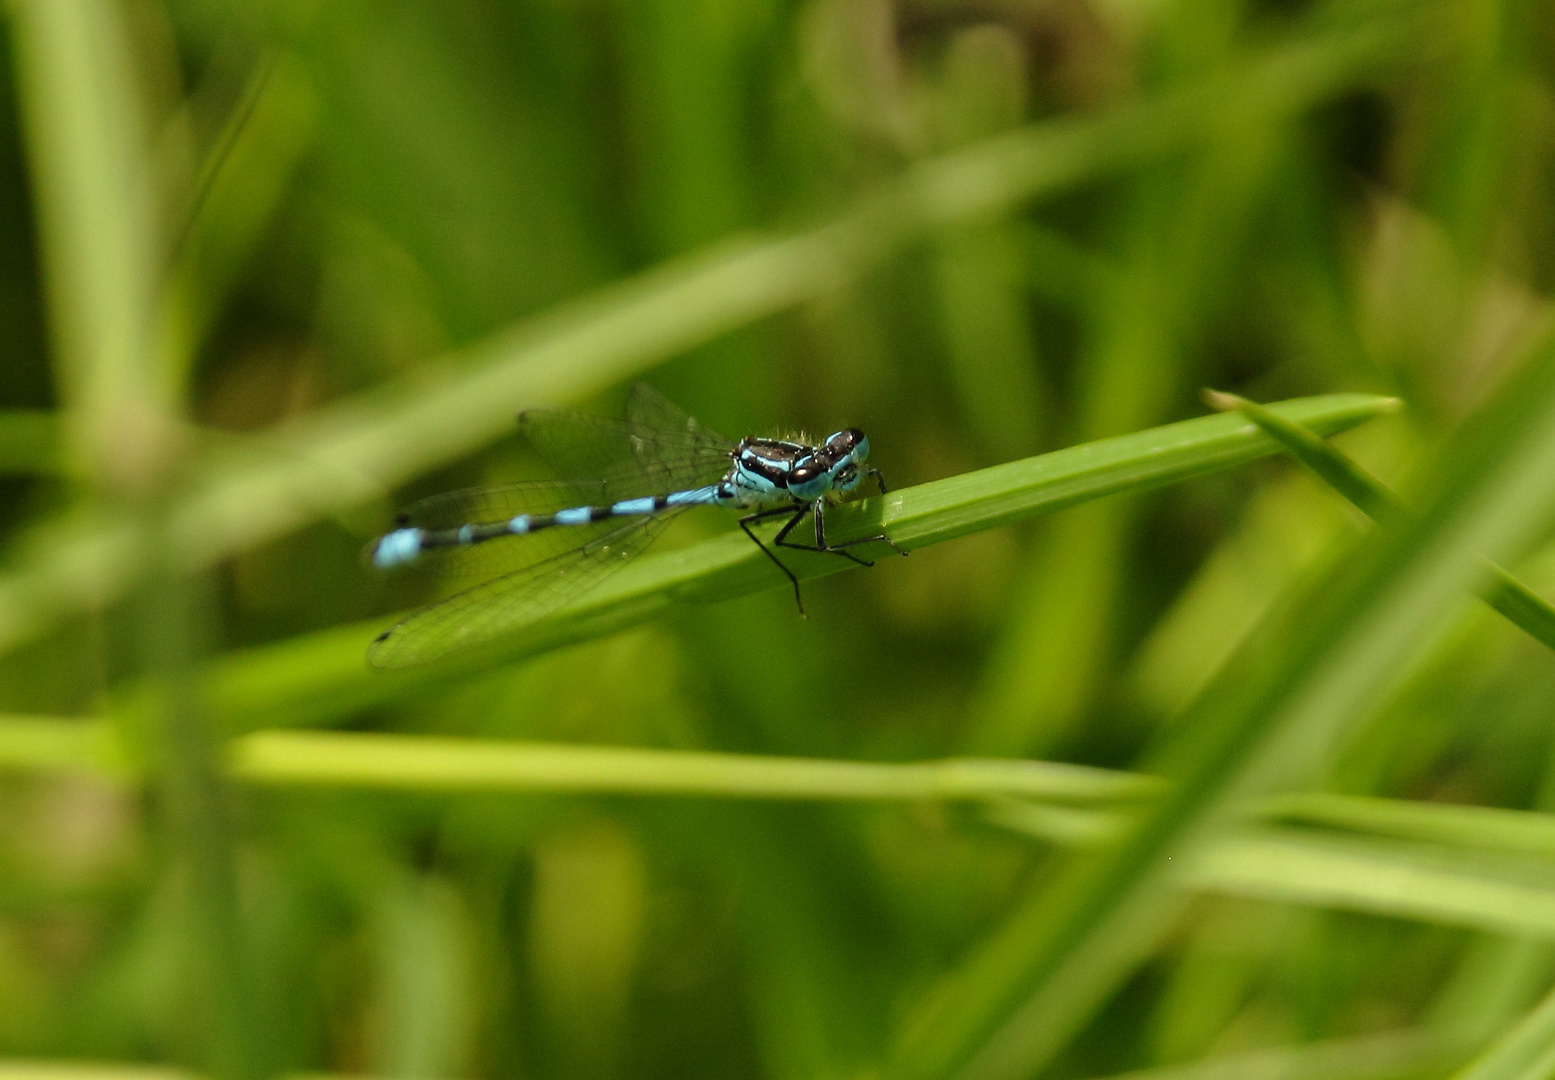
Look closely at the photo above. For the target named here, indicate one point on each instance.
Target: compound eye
(841, 444)
(803, 474)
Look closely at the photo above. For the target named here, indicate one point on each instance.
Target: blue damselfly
(548, 542)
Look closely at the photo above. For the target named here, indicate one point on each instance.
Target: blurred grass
(265, 265)
(1506, 594)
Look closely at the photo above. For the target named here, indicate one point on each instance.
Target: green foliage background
(1155, 757)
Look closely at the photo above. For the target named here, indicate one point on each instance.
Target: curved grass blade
(1522, 606)
(316, 677)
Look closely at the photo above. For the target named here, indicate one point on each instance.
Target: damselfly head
(849, 444)
(841, 456)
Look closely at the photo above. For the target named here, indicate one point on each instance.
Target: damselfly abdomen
(549, 542)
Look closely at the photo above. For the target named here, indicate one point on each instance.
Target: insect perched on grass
(551, 541)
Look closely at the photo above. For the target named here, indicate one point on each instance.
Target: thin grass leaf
(1369, 494)
(1520, 604)
(318, 677)
(240, 186)
(1473, 828)
(1481, 828)
(349, 453)
(420, 763)
(1450, 879)
(1401, 880)
(1392, 878)
(87, 148)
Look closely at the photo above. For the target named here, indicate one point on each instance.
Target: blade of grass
(1473, 828)
(1520, 604)
(1456, 885)
(98, 201)
(349, 453)
(391, 762)
(1379, 877)
(241, 184)
(87, 147)
(1477, 827)
(422, 763)
(315, 678)
(1273, 716)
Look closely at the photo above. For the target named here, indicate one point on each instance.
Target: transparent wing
(486, 505)
(659, 447)
(509, 603)
(648, 408)
(498, 502)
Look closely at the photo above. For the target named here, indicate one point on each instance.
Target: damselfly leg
(795, 514)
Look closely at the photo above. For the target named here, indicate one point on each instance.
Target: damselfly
(551, 541)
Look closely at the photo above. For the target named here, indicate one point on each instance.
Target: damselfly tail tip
(398, 548)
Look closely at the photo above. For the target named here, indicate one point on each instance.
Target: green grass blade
(1370, 495)
(1453, 877)
(1378, 877)
(1520, 604)
(422, 763)
(87, 149)
(239, 190)
(1481, 828)
(315, 678)
(1456, 886)
(351, 452)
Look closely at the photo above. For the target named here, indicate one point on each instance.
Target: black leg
(820, 536)
(880, 480)
(833, 549)
(794, 514)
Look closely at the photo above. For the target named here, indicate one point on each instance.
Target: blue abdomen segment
(403, 547)
(398, 548)
(712, 495)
